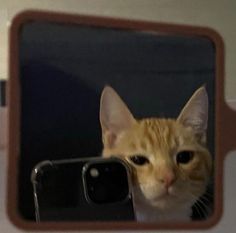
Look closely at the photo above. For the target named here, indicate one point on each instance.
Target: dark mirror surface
(63, 69)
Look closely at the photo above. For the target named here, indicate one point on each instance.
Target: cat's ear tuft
(195, 112)
(115, 116)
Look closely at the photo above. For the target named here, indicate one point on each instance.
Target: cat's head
(170, 161)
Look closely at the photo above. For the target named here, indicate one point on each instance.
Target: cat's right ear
(195, 112)
(115, 116)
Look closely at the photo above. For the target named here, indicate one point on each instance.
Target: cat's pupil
(139, 160)
(184, 157)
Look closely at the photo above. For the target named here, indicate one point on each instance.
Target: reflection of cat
(170, 161)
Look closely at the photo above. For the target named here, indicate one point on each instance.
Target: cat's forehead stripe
(159, 132)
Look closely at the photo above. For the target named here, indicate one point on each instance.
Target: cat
(171, 165)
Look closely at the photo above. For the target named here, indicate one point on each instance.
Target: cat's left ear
(115, 117)
(195, 112)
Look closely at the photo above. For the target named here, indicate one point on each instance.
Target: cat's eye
(184, 157)
(139, 160)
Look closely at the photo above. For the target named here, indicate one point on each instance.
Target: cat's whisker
(205, 198)
(200, 210)
(210, 195)
(205, 210)
(197, 210)
(204, 204)
(193, 196)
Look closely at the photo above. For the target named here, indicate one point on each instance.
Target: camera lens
(106, 182)
(94, 172)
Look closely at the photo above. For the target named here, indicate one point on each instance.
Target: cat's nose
(168, 179)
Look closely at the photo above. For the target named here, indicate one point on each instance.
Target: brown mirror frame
(225, 130)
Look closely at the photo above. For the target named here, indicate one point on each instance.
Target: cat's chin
(168, 201)
(166, 208)
(164, 202)
(161, 205)
(162, 199)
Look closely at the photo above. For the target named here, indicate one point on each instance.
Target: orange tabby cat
(169, 159)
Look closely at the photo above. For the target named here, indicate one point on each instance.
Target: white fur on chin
(147, 213)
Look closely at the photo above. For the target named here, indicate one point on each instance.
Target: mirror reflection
(141, 104)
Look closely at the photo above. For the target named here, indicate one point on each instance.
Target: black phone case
(59, 194)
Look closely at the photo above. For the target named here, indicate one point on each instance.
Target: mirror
(63, 69)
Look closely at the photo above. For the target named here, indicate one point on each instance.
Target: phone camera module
(106, 182)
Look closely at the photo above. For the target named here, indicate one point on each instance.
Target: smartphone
(96, 189)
